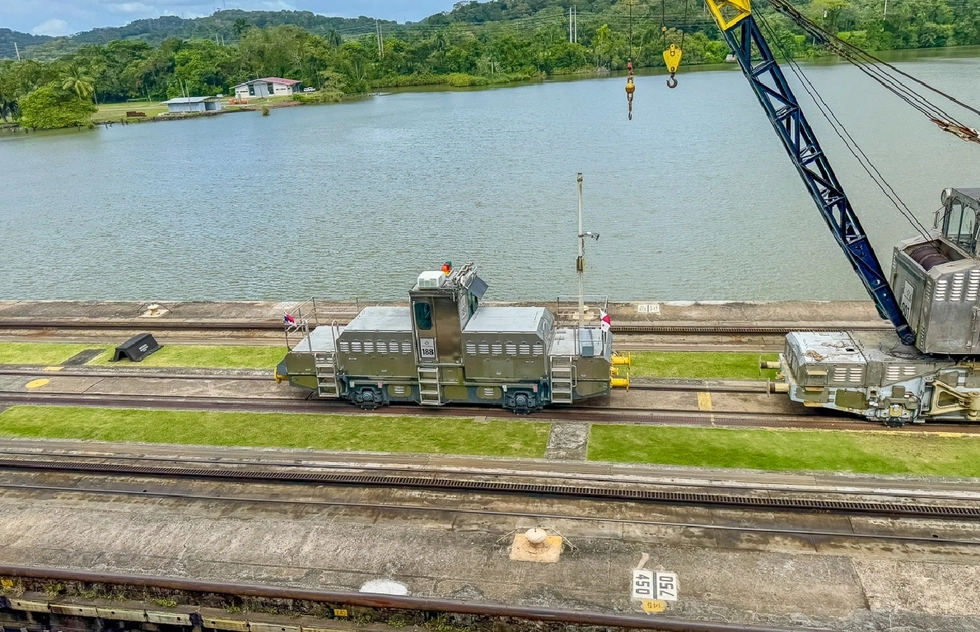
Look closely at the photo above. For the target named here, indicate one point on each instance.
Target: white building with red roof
(267, 87)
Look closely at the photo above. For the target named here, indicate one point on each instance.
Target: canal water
(694, 199)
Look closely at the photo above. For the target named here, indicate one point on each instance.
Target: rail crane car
(446, 348)
(928, 368)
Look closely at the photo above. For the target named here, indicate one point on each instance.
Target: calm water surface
(695, 198)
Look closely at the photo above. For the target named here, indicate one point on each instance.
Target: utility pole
(884, 12)
(580, 261)
(569, 25)
(575, 32)
(380, 37)
(17, 50)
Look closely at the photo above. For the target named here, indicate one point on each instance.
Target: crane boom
(734, 18)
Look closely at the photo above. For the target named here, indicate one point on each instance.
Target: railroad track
(595, 414)
(437, 481)
(587, 414)
(275, 325)
(714, 386)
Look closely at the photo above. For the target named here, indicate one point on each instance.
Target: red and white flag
(605, 322)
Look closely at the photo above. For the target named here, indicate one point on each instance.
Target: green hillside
(475, 44)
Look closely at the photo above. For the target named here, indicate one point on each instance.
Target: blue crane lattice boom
(769, 84)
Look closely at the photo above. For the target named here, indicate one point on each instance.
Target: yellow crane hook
(672, 58)
(630, 88)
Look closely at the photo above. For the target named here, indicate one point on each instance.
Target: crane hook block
(672, 58)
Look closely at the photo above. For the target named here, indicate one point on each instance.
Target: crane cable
(845, 136)
(872, 66)
(630, 87)
(672, 53)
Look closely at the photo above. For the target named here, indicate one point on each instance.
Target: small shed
(193, 104)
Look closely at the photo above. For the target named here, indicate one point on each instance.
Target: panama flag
(606, 322)
(286, 318)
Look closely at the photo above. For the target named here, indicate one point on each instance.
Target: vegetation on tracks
(699, 364)
(877, 452)
(171, 356)
(39, 353)
(680, 364)
(355, 432)
(205, 357)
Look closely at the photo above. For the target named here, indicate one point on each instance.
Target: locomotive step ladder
(562, 380)
(326, 374)
(429, 392)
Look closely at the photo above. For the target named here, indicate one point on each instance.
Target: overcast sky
(64, 17)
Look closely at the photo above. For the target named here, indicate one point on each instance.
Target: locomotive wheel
(368, 398)
(521, 403)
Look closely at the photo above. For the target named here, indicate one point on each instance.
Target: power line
(852, 146)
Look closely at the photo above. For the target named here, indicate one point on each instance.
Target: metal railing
(314, 312)
(567, 314)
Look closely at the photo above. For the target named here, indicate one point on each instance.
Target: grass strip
(783, 450)
(204, 357)
(40, 353)
(722, 365)
(116, 111)
(372, 433)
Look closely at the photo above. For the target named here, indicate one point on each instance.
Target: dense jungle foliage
(477, 43)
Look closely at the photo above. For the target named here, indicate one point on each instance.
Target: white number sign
(654, 585)
(666, 587)
(427, 348)
(643, 584)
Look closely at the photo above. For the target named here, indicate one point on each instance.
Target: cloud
(53, 26)
(130, 7)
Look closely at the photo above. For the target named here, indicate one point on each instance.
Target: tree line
(475, 44)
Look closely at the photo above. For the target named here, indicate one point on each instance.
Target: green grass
(204, 357)
(116, 111)
(860, 452)
(698, 364)
(39, 353)
(186, 356)
(376, 433)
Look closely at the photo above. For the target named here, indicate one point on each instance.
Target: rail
(626, 493)
(393, 602)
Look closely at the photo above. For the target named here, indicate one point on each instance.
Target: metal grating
(581, 492)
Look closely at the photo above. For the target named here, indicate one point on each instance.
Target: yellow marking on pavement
(704, 402)
(654, 605)
(53, 368)
(38, 383)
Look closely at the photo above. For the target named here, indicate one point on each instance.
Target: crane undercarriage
(874, 375)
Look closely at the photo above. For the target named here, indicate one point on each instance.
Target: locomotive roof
(381, 318)
(507, 320)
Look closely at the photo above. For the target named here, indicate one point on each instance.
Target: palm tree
(75, 80)
(240, 26)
